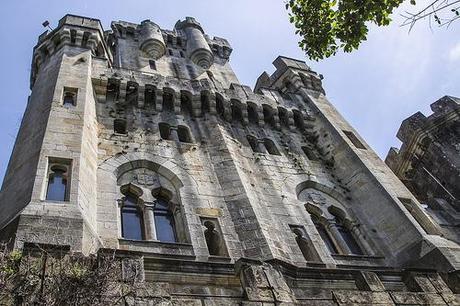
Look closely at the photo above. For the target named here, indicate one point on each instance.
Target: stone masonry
(218, 194)
(428, 162)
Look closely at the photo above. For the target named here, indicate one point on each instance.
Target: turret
(198, 49)
(151, 39)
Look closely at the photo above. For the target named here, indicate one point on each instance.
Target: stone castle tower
(428, 162)
(142, 140)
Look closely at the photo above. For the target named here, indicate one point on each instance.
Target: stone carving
(263, 283)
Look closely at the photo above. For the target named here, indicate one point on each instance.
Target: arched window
(303, 241)
(57, 184)
(324, 235)
(213, 239)
(271, 147)
(348, 237)
(132, 221)
(164, 221)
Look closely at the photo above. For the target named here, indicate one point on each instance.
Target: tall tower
(142, 140)
(429, 162)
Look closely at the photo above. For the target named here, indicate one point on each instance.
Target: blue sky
(393, 75)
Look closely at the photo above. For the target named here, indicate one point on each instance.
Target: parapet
(286, 68)
(419, 122)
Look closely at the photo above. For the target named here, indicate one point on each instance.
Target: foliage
(54, 278)
(326, 26)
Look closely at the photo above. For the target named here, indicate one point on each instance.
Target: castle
(142, 140)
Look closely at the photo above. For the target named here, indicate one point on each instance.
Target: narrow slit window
(84, 41)
(113, 89)
(132, 90)
(356, 142)
(73, 36)
(153, 65)
(149, 95)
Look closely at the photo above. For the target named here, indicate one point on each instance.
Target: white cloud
(454, 53)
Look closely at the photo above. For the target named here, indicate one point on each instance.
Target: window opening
(119, 126)
(271, 147)
(164, 221)
(152, 65)
(132, 219)
(324, 235)
(254, 143)
(84, 41)
(309, 153)
(73, 36)
(356, 142)
(165, 130)
(58, 180)
(183, 134)
(213, 239)
(70, 96)
(113, 88)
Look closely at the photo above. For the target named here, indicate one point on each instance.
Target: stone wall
(304, 212)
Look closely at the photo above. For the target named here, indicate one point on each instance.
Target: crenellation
(221, 193)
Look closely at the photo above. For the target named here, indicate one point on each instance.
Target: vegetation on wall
(45, 277)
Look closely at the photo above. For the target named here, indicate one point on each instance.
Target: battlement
(73, 31)
(419, 122)
(282, 78)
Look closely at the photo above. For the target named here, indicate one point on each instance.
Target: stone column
(149, 222)
(338, 238)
